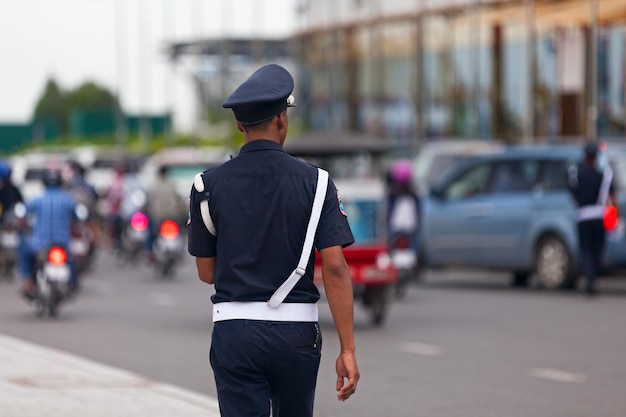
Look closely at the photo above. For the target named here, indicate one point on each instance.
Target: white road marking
(422, 349)
(162, 300)
(557, 375)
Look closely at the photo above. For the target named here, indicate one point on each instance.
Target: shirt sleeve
(333, 228)
(200, 243)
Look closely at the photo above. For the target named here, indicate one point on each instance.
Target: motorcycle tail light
(57, 256)
(169, 229)
(139, 221)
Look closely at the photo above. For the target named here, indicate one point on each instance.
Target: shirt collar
(260, 145)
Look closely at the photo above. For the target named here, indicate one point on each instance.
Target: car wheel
(553, 263)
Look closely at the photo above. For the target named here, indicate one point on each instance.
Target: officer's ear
(239, 127)
(282, 120)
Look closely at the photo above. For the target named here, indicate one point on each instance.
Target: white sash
(318, 202)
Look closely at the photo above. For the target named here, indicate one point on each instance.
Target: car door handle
(479, 210)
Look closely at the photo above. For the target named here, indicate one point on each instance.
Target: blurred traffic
(60, 210)
(455, 204)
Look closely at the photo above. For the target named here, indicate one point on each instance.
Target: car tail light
(57, 256)
(139, 221)
(169, 229)
(610, 218)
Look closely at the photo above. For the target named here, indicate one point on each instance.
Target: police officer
(591, 189)
(249, 229)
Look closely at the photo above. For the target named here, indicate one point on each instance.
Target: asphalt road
(461, 344)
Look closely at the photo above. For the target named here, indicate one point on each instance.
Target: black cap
(262, 96)
(591, 149)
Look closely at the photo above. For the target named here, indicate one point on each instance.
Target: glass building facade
(521, 71)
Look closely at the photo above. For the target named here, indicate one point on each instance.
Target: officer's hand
(346, 369)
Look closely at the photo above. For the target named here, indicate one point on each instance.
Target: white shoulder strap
(607, 177)
(318, 202)
(198, 184)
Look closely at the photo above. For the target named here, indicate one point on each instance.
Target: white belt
(260, 310)
(590, 212)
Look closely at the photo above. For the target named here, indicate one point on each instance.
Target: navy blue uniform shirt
(260, 203)
(586, 187)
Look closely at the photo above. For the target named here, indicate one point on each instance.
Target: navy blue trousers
(260, 365)
(591, 235)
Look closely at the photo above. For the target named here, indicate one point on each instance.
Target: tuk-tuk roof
(331, 142)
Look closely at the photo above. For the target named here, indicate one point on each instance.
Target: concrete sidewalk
(36, 381)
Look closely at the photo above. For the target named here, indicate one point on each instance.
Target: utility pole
(592, 106)
(529, 119)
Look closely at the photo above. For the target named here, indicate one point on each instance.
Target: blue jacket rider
(52, 215)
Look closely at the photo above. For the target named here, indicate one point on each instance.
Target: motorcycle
(52, 276)
(9, 241)
(167, 247)
(134, 235)
(404, 258)
(83, 242)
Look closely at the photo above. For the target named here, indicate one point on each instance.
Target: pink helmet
(401, 172)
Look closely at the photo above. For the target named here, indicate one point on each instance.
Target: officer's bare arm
(338, 289)
(206, 269)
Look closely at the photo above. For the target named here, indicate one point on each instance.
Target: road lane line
(558, 375)
(422, 349)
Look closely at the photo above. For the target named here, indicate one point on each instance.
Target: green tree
(91, 97)
(52, 106)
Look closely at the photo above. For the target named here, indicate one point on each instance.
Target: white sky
(118, 43)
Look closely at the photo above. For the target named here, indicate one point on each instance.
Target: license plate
(138, 234)
(9, 240)
(78, 247)
(172, 245)
(57, 273)
(403, 258)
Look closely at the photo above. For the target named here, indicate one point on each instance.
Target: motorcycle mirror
(82, 212)
(138, 198)
(20, 210)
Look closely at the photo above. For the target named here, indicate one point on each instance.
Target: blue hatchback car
(512, 211)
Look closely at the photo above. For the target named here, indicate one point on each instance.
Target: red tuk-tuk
(354, 162)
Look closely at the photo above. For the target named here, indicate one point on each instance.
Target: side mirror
(82, 212)
(437, 193)
(19, 210)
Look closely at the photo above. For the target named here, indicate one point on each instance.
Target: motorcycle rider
(85, 194)
(164, 203)
(403, 206)
(402, 202)
(73, 174)
(52, 215)
(114, 197)
(10, 195)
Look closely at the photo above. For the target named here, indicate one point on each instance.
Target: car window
(514, 176)
(363, 216)
(34, 174)
(554, 175)
(472, 182)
